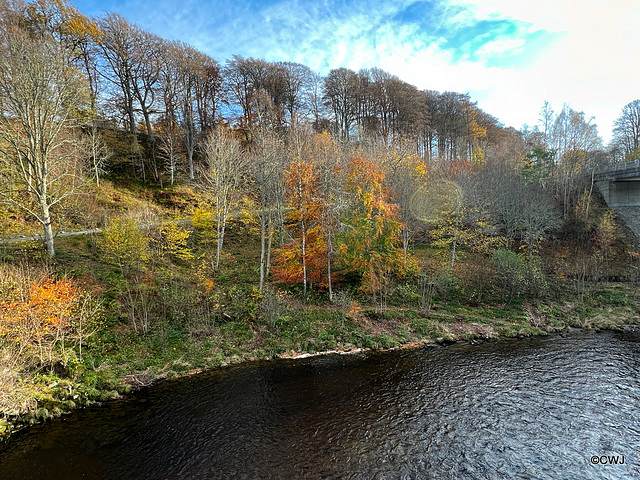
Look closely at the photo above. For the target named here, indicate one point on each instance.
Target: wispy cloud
(509, 55)
(325, 34)
(587, 63)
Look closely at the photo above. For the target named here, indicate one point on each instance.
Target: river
(541, 408)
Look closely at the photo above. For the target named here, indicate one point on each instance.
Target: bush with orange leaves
(42, 318)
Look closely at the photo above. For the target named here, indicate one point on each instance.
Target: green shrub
(516, 276)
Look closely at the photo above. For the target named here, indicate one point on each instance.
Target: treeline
(174, 93)
(80, 96)
(144, 79)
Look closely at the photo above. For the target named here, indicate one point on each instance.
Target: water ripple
(534, 409)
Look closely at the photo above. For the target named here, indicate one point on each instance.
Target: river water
(526, 409)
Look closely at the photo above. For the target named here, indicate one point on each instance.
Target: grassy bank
(276, 323)
(123, 325)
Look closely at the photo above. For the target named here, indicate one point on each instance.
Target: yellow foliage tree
(203, 220)
(369, 245)
(173, 241)
(124, 243)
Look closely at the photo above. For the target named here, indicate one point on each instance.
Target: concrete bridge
(620, 187)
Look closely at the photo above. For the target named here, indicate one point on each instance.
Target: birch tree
(627, 127)
(574, 137)
(268, 164)
(41, 98)
(296, 258)
(328, 159)
(300, 193)
(223, 174)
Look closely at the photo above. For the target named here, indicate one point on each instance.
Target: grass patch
(202, 318)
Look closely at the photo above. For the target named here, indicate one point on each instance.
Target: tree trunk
(222, 220)
(263, 235)
(130, 114)
(304, 240)
(329, 247)
(48, 234)
(405, 240)
(304, 258)
(45, 220)
(454, 244)
(269, 243)
(586, 213)
(190, 148)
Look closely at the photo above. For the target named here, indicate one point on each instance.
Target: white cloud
(513, 45)
(591, 62)
(591, 67)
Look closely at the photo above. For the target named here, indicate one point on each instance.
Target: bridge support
(620, 188)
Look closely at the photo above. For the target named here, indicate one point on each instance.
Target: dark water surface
(531, 409)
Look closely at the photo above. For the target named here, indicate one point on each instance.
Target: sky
(509, 55)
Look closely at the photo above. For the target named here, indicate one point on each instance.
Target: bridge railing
(626, 165)
(616, 167)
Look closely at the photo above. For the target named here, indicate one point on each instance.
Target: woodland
(255, 209)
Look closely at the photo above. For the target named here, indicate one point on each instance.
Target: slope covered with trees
(254, 208)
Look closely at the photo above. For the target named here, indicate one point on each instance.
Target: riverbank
(363, 413)
(137, 361)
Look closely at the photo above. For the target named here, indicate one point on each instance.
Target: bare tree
(339, 91)
(331, 195)
(170, 149)
(537, 217)
(574, 138)
(546, 120)
(99, 151)
(268, 163)
(41, 96)
(317, 110)
(187, 80)
(298, 84)
(118, 52)
(243, 78)
(627, 127)
(498, 188)
(396, 107)
(222, 175)
(192, 91)
(133, 65)
(146, 73)
(209, 92)
(119, 61)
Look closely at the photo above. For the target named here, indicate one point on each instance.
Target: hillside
(171, 314)
(256, 209)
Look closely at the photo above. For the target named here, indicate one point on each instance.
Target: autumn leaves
(340, 229)
(41, 317)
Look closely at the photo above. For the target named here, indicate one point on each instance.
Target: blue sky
(509, 55)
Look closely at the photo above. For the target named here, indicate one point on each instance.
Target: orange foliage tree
(303, 258)
(370, 243)
(35, 321)
(312, 197)
(328, 159)
(37, 324)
